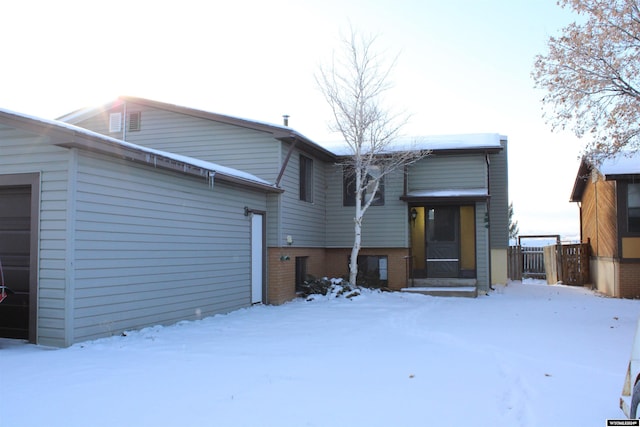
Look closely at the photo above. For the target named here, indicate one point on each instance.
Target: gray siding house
(139, 212)
(99, 236)
(445, 217)
(295, 217)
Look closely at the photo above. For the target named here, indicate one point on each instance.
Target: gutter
(163, 162)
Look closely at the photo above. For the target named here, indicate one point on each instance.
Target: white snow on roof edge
(472, 141)
(213, 167)
(621, 164)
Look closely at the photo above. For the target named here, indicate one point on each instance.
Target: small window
(372, 271)
(349, 189)
(115, 122)
(134, 120)
(306, 179)
(633, 207)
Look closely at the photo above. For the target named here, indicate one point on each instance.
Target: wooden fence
(514, 264)
(568, 264)
(526, 262)
(575, 264)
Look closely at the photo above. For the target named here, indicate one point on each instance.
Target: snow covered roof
(623, 164)
(456, 193)
(163, 159)
(462, 142)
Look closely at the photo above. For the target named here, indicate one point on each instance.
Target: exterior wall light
(414, 215)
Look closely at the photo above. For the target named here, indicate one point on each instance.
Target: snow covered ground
(526, 355)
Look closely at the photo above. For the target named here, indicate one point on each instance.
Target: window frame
(115, 122)
(375, 277)
(134, 121)
(635, 227)
(349, 190)
(306, 178)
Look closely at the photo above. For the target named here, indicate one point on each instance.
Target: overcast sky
(464, 67)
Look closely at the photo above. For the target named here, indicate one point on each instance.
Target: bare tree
(353, 85)
(591, 75)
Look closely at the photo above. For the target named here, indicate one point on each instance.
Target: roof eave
(475, 150)
(444, 199)
(309, 146)
(478, 150)
(161, 162)
(581, 181)
(622, 176)
(277, 132)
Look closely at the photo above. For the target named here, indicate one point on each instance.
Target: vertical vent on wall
(134, 119)
(115, 122)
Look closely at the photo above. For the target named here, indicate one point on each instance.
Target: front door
(442, 241)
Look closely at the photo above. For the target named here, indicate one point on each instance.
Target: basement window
(372, 271)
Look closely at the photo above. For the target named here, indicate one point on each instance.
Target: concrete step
(465, 288)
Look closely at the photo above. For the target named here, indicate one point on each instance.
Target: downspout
(488, 162)
(285, 118)
(408, 235)
(285, 162)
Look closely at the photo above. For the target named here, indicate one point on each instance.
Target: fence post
(551, 264)
(515, 263)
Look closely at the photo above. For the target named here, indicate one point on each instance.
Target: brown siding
(599, 218)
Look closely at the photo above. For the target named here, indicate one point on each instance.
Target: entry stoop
(466, 288)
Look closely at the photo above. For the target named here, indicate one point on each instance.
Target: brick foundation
(325, 263)
(338, 263)
(629, 279)
(282, 271)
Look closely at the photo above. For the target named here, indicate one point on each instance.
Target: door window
(441, 225)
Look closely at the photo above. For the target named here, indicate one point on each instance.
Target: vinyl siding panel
(22, 152)
(499, 203)
(156, 248)
(447, 172)
(383, 226)
(273, 220)
(304, 221)
(245, 149)
(482, 248)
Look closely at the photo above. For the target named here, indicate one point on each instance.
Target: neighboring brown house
(608, 195)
